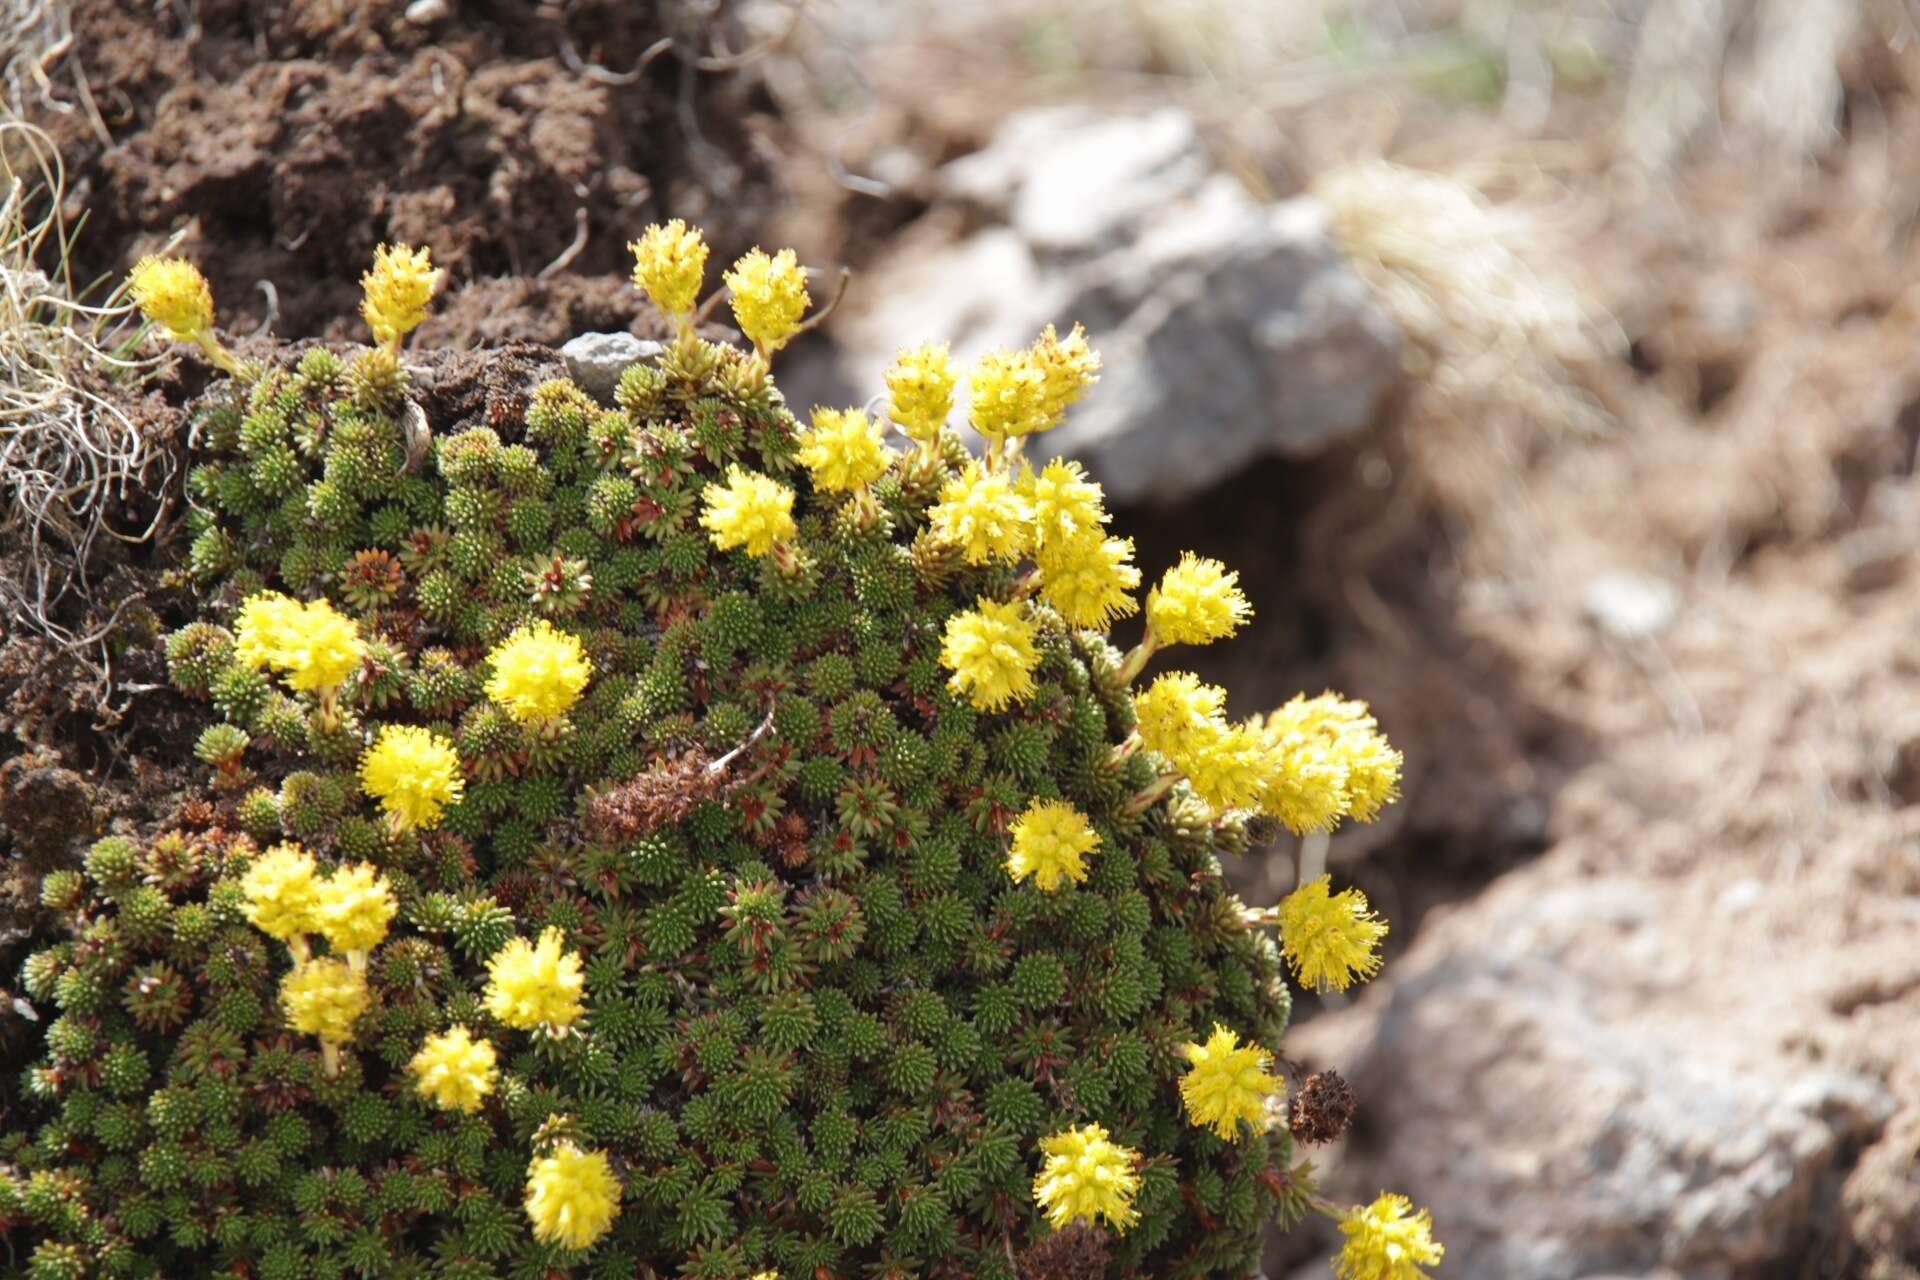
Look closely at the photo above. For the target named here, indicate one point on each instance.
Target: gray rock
(596, 360)
(1070, 180)
(1554, 1133)
(1250, 337)
(1230, 329)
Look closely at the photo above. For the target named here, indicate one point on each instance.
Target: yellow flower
(1350, 739)
(356, 905)
(1088, 1176)
(1329, 938)
(1177, 714)
(1050, 843)
(991, 653)
(1198, 602)
(982, 514)
(454, 1071)
(920, 390)
(323, 649)
(323, 998)
(1227, 767)
(282, 892)
(1007, 395)
(769, 297)
(414, 773)
(669, 264)
(397, 291)
(1066, 505)
(572, 1196)
(1067, 368)
(1386, 1240)
(1304, 783)
(749, 511)
(844, 451)
(535, 984)
(538, 673)
(311, 644)
(1227, 1082)
(173, 294)
(261, 632)
(1087, 579)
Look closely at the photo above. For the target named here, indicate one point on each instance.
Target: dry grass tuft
(68, 453)
(1488, 327)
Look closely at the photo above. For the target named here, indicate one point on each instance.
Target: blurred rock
(1555, 1132)
(1230, 329)
(596, 360)
(1630, 606)
(1070, 181)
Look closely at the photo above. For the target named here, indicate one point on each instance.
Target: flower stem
(1136, 660)
(1154, 790)
(1313, 856)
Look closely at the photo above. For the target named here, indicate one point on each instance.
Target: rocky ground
(1656, 878)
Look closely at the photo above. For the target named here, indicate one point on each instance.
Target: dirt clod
(47, 809)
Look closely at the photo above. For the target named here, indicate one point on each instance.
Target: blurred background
(1548, 368)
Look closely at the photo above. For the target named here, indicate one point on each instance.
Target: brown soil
(288, 141)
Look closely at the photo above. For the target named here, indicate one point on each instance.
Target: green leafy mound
(825, 1031)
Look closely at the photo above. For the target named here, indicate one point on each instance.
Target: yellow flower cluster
(1386, 1240)
(1329, 938)
(769, 297)
(313, 646)
(1309, 764)
(397, 291)
(539, 672)
(324, 998)
(1017, 393)
(844, 451)
(1181, 718)
(1227, 1082)
(1067, 368)
(355, 907)
(920, 391)
(454, 1071)
(572, 1196)
(669, 265)
(287, 898)
(282, 889)
(1050, 843)
(983, 514)
(1088, 578)
(1006, 395)
(172, 293)
(990, 650)
(749, 511)
(533, 985)
(1066, 506)
(414, 773)
(1331, 735)
(1087, 1176)
(1197, 602)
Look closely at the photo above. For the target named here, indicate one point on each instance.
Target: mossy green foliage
(826, 1030)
